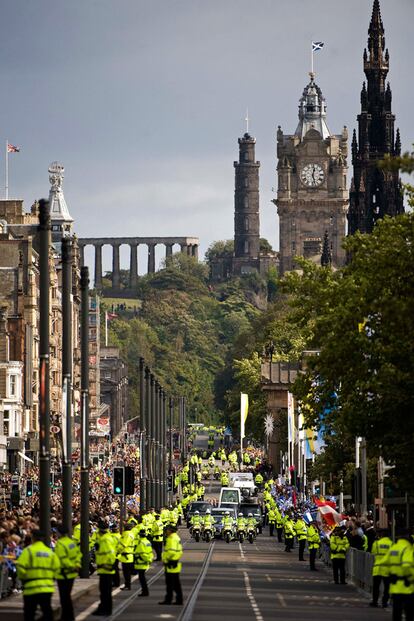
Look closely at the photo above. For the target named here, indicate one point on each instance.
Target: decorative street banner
(103, 425)
(244, 410)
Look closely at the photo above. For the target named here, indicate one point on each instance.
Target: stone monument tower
(246, 208)
(312, 195)
(374, 192)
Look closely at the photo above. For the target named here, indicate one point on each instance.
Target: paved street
(250, 581)
(231, 581)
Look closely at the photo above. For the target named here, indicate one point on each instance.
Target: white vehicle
(230, 494)
(244, 482)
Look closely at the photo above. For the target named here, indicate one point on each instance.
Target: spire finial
(247, 120)
(326, 257)
(398, 143)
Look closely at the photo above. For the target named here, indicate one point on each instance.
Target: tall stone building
(246, 208)
(374, 192)
(19, 325)
(247, 256)
(312, 193)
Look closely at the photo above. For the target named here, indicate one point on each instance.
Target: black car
(200, 505)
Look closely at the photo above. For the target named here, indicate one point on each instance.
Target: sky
(143, 101)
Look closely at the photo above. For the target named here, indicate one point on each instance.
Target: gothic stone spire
(374, 192)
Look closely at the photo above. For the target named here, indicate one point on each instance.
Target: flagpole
(312, 58)
(7, 170)
(241, 429)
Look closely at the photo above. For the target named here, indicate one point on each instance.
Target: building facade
(19, 330)
(375, 192)
(114, 388)
(312, 195)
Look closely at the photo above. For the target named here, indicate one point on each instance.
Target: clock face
(312, 175)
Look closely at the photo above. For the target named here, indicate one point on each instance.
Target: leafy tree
(361, 319)
(265, 245)
(218, 249)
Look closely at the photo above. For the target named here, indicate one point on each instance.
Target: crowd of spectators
(17, 522)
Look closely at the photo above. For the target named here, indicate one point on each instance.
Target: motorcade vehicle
(198, 505)
(256, 510)
(244, 481)
(218, 514)
(230, 494)
(251, 534)
(207, 534)
(241, 534)
(196, 532)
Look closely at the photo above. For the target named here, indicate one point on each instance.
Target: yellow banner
(244, 410)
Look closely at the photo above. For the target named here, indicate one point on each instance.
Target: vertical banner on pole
(244, 410)
(291, 431)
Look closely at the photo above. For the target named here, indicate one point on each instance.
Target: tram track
(185, 612)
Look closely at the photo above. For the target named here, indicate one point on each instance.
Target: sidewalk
(13, 605)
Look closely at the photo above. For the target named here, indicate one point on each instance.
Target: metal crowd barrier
(5, 581)
(358, 566)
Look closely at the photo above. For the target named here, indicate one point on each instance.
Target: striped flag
(12, 149)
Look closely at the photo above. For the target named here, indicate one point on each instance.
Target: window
(246, 182)
(246, 224)
(246, 156)
(246, 247)
(246, 202)
(6, 423)
(13, 385)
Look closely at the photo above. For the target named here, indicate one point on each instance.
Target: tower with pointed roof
(374, 192)
(312, 196)
(61, 220)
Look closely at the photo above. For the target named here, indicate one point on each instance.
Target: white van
(244, 482)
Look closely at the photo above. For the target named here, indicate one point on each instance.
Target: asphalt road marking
(268, 578)
(253, 603)
(281, 599)
(242, 552)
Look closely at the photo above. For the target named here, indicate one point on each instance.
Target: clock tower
(312, 195)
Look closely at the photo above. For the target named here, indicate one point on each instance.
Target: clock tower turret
(312, 195)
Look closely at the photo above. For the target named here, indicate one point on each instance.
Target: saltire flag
(12, 149)
(244, 410)
(317, 45)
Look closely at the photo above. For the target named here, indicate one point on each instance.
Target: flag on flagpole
(12, 149)
(317, 45)
(244, 410)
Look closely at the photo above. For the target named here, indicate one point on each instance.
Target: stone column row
(189, 249)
